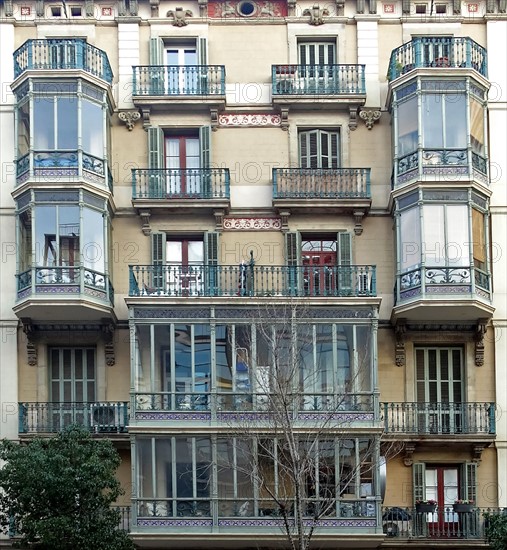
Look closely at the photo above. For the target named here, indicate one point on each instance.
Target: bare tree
(311, 444)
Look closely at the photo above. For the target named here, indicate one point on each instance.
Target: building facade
(198, 199)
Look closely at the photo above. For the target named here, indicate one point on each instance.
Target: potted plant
(463, 505)
(425, 505)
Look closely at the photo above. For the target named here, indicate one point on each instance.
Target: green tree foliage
(496, 530)
(56, 493)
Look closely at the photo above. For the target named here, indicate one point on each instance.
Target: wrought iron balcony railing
(252, 280)
(443, 523)
(66, 281)
(439, 52)
(331, 80)
(459, 281)
(439, 418)
(220, 402)
(62, 53)
(103, 417)
(190, 183)
(178, 80)
(321, 183)
(63, 164)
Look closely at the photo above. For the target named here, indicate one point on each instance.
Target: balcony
(325, 189)
(198, 85)
(438, 53)
(329, 84)
(447, 293)
(99, 417)
(63, 166)
(62, 54)
(169, 281)
(439, 419)
(442, 527)
(62, 293)
(442, 165)
(181, 188)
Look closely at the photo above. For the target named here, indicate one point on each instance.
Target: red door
(442, 485)
(319, 260)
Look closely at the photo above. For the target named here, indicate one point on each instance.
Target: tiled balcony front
(99, 417)
(252, 281)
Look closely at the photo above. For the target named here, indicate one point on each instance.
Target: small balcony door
(440, 390)
(313, 57)
(319, 149)
(185, 260)
(183, 158)
(319, 258)
(73, 379)
(182, 77)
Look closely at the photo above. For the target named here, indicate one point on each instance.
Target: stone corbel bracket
(399, 354)
(480, 331)
(370, 116)
(316, 14)
(108, 332)
(129, 118)
(179, 16)
(408, 459)
(145, 220)
(31, 348)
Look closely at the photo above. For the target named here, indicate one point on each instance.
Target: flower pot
(463, 507)
(425, 508)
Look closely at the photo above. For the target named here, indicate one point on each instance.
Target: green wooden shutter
(157, 261)
(156, 74)
(207, 177)
(156, 179)
(156, 51)
(468, 489)
(207, 78)
(203, 51)
(211, 267)
(292, 250)
(419, 481)
(345, 269)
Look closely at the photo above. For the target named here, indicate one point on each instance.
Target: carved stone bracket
(203, 8)
(370, 116)
(316, 14)
(179, 16)
(154, 5)
(145, 219)
(31, 348)
(352, 118)
(399, 354)
(358, 218)
(146, 118)
(340, 7)
(219, 219)
(108, 332)
(129, 118)
(408, 459)
(477, 449)
(284, 216)
(291, 5)
(480, 331)
(214, 119)
(284, 113)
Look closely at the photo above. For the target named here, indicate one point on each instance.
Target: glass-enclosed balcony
(438, 52)
(62, 54)
(195, 184)
(327, 187)
(52, 417)
(178, 80)
(439, 419)
(159, 281)
(320, 80)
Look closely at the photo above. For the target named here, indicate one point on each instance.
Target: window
(317, 53)
(55, 123)
(420, 8)
(319, 149)
(407, 127)
(444, 121)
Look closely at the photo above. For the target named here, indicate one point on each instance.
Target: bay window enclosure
(235, 367)
(211, 476)
(442, 244)
(439, 130)
(63, 130)
(63, 238)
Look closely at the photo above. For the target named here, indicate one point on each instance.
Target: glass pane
(223, 358)
(45, 236)
(455, 121)
(67, 123)
(174, 252)
(195, 252)
(93, 240)
(68, 230)
(364, 344)
(434, 235)
(67, 365)
(44, 124)
(183, 363)
(92, 128)
(144, 483)
(478, 239)
(458, 243)
(477, 126)
(164, 483)
(23, 129)
(410, 238)
(184, 468)
(407, 127)
(345, 346)
(432, 121)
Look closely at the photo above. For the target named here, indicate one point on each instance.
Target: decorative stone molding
(252, 224)
(219, 219)
(477, 449)
(352, 118)
(108, 332)
(179, 16)
(370, 116)
(291, 4)
(154, 5)
(214, 119)
(284, 215)
(259, 9)
(340, 7)
(284, 113)
(480, 331)
(358, 217)
(145, 219)
(408, 459)
(203, 7)
(249, 120)
(146, 118)
(129, 118)
(316, 14)
(31, 348)
(399, 347)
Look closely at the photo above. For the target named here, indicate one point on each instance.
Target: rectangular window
(317, 53)
(319, 149)
(444, 121)
(55, 123)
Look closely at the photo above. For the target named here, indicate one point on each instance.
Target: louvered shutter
(158, 261)
(345, 269)
(419, 481)
(468, 489)
(292, 249)
(156, 75)
(205, 160)
(211, 267)
(308, 149)
(156, 51)
(208, 81)
(156, 174)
